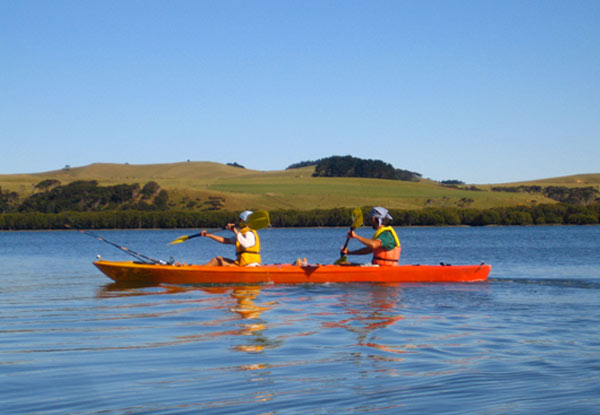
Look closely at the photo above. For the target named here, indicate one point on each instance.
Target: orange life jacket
(249, 255)
(387, 258)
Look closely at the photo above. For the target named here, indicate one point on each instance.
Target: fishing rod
(139, 256)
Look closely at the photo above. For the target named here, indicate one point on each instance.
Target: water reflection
(372, 315)
(376, 309)
(132, 289)
(251, 326)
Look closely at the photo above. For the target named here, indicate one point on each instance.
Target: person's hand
(344, 250)
(230, 226)
(203, 233)
(351, 234)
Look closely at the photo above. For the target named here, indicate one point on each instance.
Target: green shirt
(387, 240)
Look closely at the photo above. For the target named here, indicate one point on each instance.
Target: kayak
(139, 272)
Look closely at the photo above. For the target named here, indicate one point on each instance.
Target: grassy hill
(191, 184)
(578, 180)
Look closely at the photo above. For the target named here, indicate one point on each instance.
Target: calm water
(525, 342)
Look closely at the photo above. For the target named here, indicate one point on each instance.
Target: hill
(195, 185)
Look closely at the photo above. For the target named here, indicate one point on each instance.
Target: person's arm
(361, 251)
(246, 240)
(370, 245)
(218, 238)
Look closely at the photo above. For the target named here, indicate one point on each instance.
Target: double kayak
(144, 273)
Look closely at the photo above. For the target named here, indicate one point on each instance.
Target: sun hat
(380, 214)
(245, 214)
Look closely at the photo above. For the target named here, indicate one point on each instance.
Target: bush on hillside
(86, 196)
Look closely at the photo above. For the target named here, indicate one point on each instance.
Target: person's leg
(226, 262)
(219, 261)
(214, 262)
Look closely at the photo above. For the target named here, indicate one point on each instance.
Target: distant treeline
(145, 219)
(570, 195)
(348, 166)
(560, 214)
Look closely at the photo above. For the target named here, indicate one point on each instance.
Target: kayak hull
(135, 272)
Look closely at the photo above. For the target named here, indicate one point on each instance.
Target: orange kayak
(136, 272)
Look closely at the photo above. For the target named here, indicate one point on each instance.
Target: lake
(524, 342)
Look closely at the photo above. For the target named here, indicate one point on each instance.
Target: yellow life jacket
(390, 257)
(248, 255)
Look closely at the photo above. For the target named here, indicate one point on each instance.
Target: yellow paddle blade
(179, 240)
(258, 220)
(341, 260)
(357, 218)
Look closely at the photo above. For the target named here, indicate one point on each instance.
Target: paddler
(384, 245)
(247, 244)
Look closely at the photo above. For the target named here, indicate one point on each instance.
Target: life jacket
(248, 255)
(387, 258)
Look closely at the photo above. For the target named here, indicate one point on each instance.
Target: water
(526, 341)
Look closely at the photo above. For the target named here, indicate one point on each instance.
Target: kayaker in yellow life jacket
(246, 241)
(384, 245)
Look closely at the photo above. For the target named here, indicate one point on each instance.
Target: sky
(478, 91)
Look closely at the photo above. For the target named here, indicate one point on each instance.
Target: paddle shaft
(200, 234)
(357, 221)
(207, 233)
(346, 244)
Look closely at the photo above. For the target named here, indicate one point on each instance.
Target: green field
(194, 182)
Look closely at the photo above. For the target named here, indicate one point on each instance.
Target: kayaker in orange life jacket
(247, 245)
(384, 245)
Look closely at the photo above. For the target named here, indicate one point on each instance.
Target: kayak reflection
(381, 311)
(251, 326)
(367, 311)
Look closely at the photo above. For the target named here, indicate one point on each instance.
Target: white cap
(380, 214)
(245, 214)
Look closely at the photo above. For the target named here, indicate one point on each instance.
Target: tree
(8, 200)
(160, 201)
(47, 184)
(235, 164)
(348, 166)
(149, 189)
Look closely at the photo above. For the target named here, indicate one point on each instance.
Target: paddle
(357, 222)
(258, 220)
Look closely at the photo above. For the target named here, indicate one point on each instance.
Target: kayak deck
(135, 272)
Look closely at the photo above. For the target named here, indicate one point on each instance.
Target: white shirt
(246, 240)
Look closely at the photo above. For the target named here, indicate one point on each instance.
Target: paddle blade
(357, 222)
(341, 260)
(179, 240)
(258, 220)
(357, 218)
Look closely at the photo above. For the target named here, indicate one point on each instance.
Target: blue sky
(479, 91)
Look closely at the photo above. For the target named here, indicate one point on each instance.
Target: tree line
(348, 166)
(167, 219)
